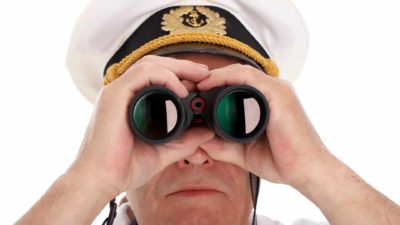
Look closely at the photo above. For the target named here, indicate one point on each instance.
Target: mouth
(194, 192)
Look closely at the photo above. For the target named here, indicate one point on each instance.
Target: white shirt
(123, 219)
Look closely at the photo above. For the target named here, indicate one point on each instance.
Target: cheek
(143, 201)
(240, 184)
(240, 199)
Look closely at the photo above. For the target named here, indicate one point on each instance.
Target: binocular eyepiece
(238, 113)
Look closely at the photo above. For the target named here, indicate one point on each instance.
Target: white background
(349, 88)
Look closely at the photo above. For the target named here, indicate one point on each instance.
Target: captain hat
(111, 35)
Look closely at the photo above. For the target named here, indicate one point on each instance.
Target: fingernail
(184, 93)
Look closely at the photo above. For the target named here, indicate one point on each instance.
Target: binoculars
(237, 113)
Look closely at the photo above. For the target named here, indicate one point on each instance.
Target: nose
(199, 157)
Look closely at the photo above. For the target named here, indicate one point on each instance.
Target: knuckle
(106, 89)
(241, 78)
(148, 58)
(287, 90)
(105, 93)
(286, 86)
(144, 66)
(248, 69)
(247, 73)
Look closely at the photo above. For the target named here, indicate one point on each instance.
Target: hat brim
(116, 69)
(205, 49)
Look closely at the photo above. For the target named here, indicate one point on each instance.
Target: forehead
(213, 61)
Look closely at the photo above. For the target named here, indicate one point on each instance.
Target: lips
(193, 191)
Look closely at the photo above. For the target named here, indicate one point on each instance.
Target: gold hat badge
(193, 19)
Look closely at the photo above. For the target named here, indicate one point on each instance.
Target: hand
(290, 147)
(110, 152)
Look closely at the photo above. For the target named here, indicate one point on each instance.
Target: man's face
(198, 189)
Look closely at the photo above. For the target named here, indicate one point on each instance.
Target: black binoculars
(238, 113)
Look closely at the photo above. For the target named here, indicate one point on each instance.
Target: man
(199, 177)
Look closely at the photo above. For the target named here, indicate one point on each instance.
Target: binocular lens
(155, 115)
(238, 114)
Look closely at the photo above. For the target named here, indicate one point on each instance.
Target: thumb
(184, 146)
(226, 151)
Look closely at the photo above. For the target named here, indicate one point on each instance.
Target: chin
(201, 215)
(199, 218)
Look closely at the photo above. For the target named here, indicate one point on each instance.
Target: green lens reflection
(155, 116)
(238, 114)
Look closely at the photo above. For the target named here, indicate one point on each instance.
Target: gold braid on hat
(117, 69)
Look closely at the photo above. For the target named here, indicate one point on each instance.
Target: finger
(254, 157)
(260, 160)
(184, 146)
(236, 75)
(184, 69)
(225, 151)
(190, 86)
(155, 70)
(148, 74)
